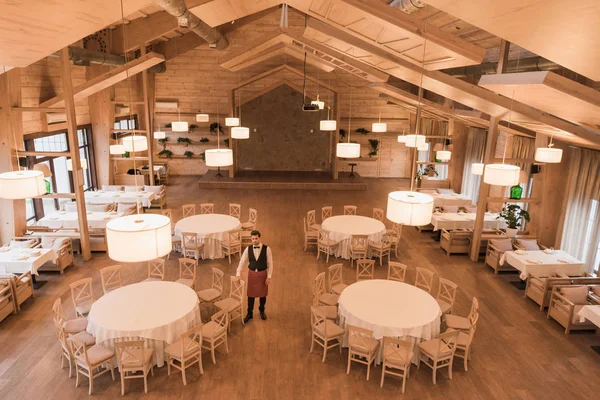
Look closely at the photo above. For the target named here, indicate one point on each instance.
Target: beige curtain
(581, 228)
(523, 147)
(474, 154)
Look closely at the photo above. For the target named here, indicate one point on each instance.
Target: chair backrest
(57, 309)
(359, 339)
(474, 313)
(447, 344)
(304, 226)
(79, 350)
(217, 279)
(236, 288)
(323, 236)
(326, 212)
(310, 217)
(397, 271)
(319, 284)
(188, 210)
(335, 274)
(111, 278)
(387, 239)
(156, 269)
(189, 240)
(207, 208)
(396, 349)
(131, 353)
(349, 210)
(220, 318)
(317, 318)
(424, 279)
(235, 237)
(252, 215)
(194, 343)
(187, 268)
(447, 291)
(360, 242)
(167, 212)
(82, 291)
(378, 214)
(235, 210)
(365, 269)
(398, 228)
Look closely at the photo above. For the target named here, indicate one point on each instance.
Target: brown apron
(256, 283)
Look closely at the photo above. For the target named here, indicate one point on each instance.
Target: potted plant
(374, 143)
(226, 141)
(169, 125)
(362, 131)
(192, 127)
(166, 153)
(203, 156)
(185, 140)
(342, 134)
(513, 215)
(188, 154)
(163, 142)
(203, 139)
(214, 126)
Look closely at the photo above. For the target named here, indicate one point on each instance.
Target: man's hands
(267, 281)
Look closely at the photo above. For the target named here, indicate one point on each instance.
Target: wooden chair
(235, 210)
(246, 239)
(397, 355)
(396, 271)
(215, 292)
(324, 298)
(156, 270)
(336, 283)
(446, 295)
(424, 279)
(330, 312)
(167, 212)
(134, 357)
(396, 236)
(464, 342)
(463, 323)
(365, 269)
(21, 287)
(160, 195)
(185, 352)
(163, 176)
(7, 302)
(232, 243)
(189, 210)
(361, 344)
(252, 219)
(191, 245)
(89, 361)
(82, 294)
(66, 349)
(359, 245)
(528, 244)
(187, 272)
(233, 305)
(111, 278)
(311, 219)
(326, 212)
(494, 252)
(310, 237)
(383, 248)
(378, 214)
(565, 303)
(350, 210)
(457, 241)
(324, 331)
(65, 257)
(439, 353)
(207, 208)
(214, 333)
(326, 245)
(71, 326)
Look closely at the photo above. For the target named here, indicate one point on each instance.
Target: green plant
(203, 156)
(126, 154)
(166, 153)
(226, 141)
(362, 130)
(188, 154)
(168, 125)
(185, 140)
(513, 215)
(163, 142)
(203, 140)
(426, 170)
(214, 126)
(374, 147)
(193, 126)
(342, 133)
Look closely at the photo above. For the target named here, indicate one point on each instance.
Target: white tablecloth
(591, 313)
(100, 197)
(464, 221)
(541, 263)
(158, 311)
(10, 265)
(342, 227)
(211, 229)
(69, 220)
(456, 199)
(390, 308)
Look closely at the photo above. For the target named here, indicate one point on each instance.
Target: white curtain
(474, 154)
(581, 229)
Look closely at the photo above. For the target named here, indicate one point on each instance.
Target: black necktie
(257, 247)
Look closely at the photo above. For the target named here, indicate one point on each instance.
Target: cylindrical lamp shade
(348, 150)
(232, 121)
(202, 117)
(477, 168)
(409, 208)
(328, 125)
(135, 143)
(218, 157)
(379, 127)
(443, 155)
(318, 103)
(83, 161)
(402, 139)
(138, 238)
(414, 140)
(21, 184)
(180, 126)
(240, 132)
(548, 155)
(501, 174)
(44, 169)
(159, 135)
(116, 149)
(423, 147)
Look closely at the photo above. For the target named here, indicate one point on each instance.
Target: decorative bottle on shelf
(47, 186)
(516, 192)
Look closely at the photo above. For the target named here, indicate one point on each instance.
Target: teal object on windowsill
(516, 192)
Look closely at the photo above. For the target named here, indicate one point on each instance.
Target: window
(589, 236)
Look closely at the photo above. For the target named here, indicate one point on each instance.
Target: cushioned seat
(371, 344)
(75, 325)
(86, 338)
(315, 227)
(444, 306)
(393, 359)
(186, 282)
(328, 242)
(432, 348)
(456, 322)
(338, 288)
(463, 338)
(209, 330)
(248, 225)
(174, 349)
(228, 304)
(131, 361)
(329, 299)
(84, 308)
(97, 354)
(208, 295)
(330, 312)
(332, 328)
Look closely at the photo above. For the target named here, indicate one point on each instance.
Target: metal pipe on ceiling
(81, 56)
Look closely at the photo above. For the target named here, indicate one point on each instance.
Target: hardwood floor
(517, 352)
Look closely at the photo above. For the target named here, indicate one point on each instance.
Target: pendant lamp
(548, 155)
(409, 208)
(22, 184)
(201, 117)
(443, 155)
(83, 161)
(135, 143)
(401, 138)
(414, 140)
(379, 126)
(139, 237)
(180, 126)
(232, 121)
(319, 103)
(218, 157)
(160, 135)
(328, 125)
(240, 132)
(477, 168)
(348, 150)
(501, 174)
(423, 147)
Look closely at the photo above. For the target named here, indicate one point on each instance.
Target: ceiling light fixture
(218, 157)
(348, 150)
(548, 154)
(379, 126)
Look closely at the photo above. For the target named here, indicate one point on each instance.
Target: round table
(390, 308)
(211, 229)
(157, 311)
(342, 227)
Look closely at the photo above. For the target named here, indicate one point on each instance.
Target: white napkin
(533, 261)
(562, 260)
(21, 257)
(4, 249)
(520, 252)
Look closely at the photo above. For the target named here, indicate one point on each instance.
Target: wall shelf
(56, 196)
(433, 162)
(129, 159)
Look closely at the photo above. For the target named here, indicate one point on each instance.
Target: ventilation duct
(408, 6)
(81, 56)
(523, 65)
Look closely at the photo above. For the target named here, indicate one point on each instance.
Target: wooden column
(233, 143)
(148, 94)
(102, 117)
(539, 192)
(484, 188)
(459, 134)
(334, 141)
(12, 212)
(65, 68)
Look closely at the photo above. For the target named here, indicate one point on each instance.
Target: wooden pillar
(12, 212)
(539, 192)
(65, 68)
(148, 93)
(459, 135)
(334, 141)
(233, 143)
(102, 117)
(503, 56)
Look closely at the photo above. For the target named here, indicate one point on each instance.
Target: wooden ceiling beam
(180, 45)
(274, 86)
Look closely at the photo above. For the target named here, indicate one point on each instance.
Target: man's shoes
(248, 318)
(263, 316)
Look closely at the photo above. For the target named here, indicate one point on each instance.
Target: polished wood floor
(517, 352)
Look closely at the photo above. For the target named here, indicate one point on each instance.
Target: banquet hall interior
(410, 187)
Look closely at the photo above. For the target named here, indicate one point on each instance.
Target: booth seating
(21, 286)
(540, 288)
(565, 303)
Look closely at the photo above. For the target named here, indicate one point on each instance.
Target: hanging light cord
(12, 129)
(218, 128)
(350, 116)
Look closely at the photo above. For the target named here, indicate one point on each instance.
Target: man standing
(259, 260)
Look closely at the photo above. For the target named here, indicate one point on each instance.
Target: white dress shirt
(245, 262)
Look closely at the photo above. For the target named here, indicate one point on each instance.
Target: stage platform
(268, 180)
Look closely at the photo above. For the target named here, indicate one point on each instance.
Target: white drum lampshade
(348, 150)
(202, 117)
(83, 161)
(135, 143)
(138, 238)
(548, 155)
(423, 147)
(409, 208)
(232, 121)
(218, 157)
(328, 125)
(379, 127)
(159, 135)
(501, 174)
(22, 184)
(414, 140)
(240, 132)
(116, 149)
(180, 126)
(319, 103)
(443, 155)
(401, 138)
(477, 168)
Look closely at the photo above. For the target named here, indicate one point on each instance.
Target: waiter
(259, 259)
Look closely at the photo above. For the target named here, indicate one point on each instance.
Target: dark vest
(261, 263)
